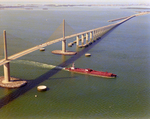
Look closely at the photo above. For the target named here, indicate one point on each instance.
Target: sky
(77, 1)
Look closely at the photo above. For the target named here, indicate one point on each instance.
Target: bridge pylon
(64, 40)
(6, 81)
(63, 51)
(6, 66)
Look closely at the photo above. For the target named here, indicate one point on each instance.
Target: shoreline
(46, 6)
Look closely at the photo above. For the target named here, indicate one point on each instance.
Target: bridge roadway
(25, 52)
(117, 19)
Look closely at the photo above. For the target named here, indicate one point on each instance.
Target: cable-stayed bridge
(90, 36)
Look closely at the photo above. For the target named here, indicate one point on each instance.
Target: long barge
(91, 72)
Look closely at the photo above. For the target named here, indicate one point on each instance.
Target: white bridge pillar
(6, 66)
(90, 36)
(98, 34)
(77, 39)
(82, 39)
(87, 37)
(94, 35)
(64, 41)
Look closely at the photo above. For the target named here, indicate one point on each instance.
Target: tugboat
(91, 72)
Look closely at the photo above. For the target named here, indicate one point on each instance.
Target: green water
(124, 51)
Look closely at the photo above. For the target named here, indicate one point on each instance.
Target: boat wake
(37, 64)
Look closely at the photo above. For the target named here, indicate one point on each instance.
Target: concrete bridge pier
(91, 36)
(6, 73)
(77, 40)
(95, 35)
(99, 32)
(64, 41)
(82, 37)
(64, 46)
(102, 32)
(87, 38)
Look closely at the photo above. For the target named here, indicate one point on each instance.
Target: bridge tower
(63, 51)
(7, 81)
(6, 66)
(64, 40)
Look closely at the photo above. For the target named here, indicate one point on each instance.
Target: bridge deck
(25, 52)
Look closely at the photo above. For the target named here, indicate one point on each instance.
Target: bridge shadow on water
(33, 83)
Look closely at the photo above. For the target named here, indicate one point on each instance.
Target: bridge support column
(82, 41)
(94, 35)
(90, 36)
(64, 46)
(98, 33)
(6, 73)
(64, 41)
(6, 66)
(87, 37)
(77, 39)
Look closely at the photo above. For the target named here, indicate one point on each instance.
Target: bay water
(123, 51)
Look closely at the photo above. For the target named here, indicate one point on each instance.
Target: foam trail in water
(37, 64)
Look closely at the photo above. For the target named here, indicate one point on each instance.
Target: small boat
(91, 72)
